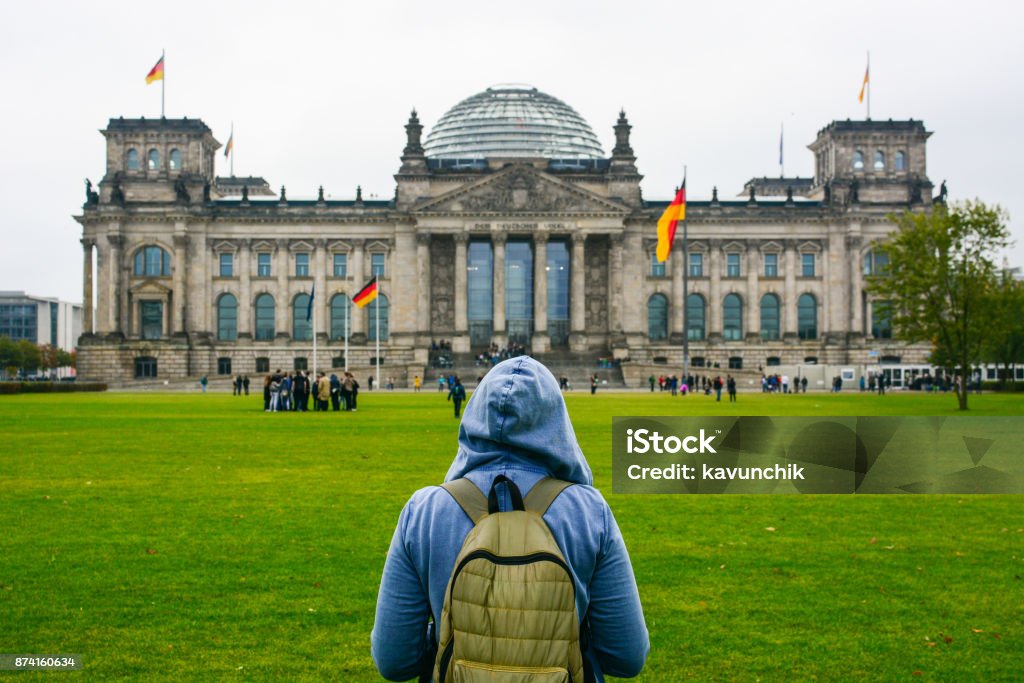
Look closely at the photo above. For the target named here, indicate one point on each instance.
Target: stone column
(179, 294)
(321, 300)
(578, 294)
(824, 323)
(423, 283)
(461, 312)
(714, 304)
(789, 298)
(676, 302)
(837, 315)
(541, 342)
(856, 322)
(245, 314)
(498, 241)
(118, 306)
(282, 298)
(358, 315)
(616, 293)
(752, 324)
(87, 245)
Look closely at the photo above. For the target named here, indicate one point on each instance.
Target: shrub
(49, 387)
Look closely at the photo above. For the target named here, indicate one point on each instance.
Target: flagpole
(232, 149)
(869, 85)
(686, 291)
(313, 304)
(376, 302)
(163, 81)
(348, 322)
(782, 164)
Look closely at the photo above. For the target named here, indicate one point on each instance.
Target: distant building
(40, 320)
(509, 225)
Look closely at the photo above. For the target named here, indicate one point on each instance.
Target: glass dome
(512, 121)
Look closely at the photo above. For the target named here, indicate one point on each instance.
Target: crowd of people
(495, 354)
(295, 391)
(705, 384)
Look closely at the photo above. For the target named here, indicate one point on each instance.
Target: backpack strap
(468, 496)
(543, 494)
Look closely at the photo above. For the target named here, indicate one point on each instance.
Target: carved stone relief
(442, 285)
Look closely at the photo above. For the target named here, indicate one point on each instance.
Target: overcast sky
(319, 92)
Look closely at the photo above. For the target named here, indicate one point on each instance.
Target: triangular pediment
(149, 288)
(521, 189)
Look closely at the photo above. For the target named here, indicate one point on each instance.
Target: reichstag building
(509, 223)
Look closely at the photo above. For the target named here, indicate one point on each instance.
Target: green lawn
(189, 537)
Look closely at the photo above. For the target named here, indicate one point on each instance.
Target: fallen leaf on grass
(977, 630)
(947, 640)
(873, 540)
(769, 528)
(917, 673)
(317, 585)
(150, 551)
(890, 547)
(932, 644)
(997, 636)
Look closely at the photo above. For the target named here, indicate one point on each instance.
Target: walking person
(369, 383)
(730, 385)
(457, 395)
(593, 384)
(516, 436)
(416, 383)
(718, 388)
(203, 382)
(355, 391)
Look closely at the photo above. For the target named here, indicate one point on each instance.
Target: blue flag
(309, 308)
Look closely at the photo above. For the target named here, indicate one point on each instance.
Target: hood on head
(517, 416)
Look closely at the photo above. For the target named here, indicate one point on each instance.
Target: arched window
(770, 317)
(657, 317)
(732, 318)
(132, 160)
(879, 160)
(695, 329)
(227, 318)
(302, 329)
(901, 161)
(807, 316)
(341, 316)
(154, 160)
(858, 160)
(382, 304)
(264, 317)
(175, 160)
(152, 261)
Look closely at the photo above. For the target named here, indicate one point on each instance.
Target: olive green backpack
(510, 606)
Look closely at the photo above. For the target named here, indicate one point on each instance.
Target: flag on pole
(367, 294)
(157, 72)
(231, 143)
(675, 212)
(864, 85)
(309, 306)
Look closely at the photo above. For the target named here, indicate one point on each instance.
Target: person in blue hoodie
(515, 424)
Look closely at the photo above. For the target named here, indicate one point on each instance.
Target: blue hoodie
(515, 424)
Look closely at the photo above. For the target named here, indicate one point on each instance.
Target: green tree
(1004, 342)
(10, 359)
(31, 358)
(941, 280)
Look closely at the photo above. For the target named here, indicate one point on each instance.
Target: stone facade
(190, 282)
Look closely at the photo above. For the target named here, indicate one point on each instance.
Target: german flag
(675, 212)
(366, 294)
(156, 73)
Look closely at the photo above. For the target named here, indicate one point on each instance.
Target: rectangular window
(263, 365)
(263, 265)
(152, 317)
(18, 321)
(53, 323)
(771, 265)
(223, 366)
(696, 265)
(732, 265)
(340, 265)
(807, 265)
(226, 265)
(377, 265)
(657, 269)
(302, 265)
(145, 367)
